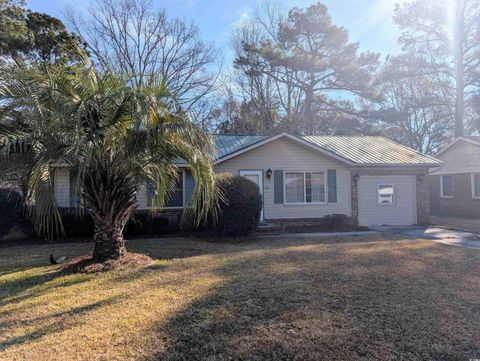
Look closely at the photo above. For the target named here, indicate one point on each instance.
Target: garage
(387, 200)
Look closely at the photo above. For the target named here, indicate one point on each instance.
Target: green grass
(283, 299)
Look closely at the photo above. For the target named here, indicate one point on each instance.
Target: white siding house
(371, 179)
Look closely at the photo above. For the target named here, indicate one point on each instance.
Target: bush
(187, 223)
(240, 211)
(77, 224)
(335, 221)
(141, 224)
(144, 223)
(13, 223)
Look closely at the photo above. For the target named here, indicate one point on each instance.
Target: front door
(256, 176)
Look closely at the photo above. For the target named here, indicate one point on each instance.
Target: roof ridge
(345, 135)
(240, 135)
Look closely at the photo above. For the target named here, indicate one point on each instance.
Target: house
(455, 187)
(371, 179)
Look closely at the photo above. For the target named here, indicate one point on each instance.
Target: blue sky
(369, 22)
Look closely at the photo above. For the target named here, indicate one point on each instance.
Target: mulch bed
(88, 265)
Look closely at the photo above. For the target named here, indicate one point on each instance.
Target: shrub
(144, 223)
(335, 221)
(141, 224)
(187, 223)
(240, 210)
(13, 223)
(77, 224)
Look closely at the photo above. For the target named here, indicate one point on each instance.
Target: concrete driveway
(441, 235)
(458, 224)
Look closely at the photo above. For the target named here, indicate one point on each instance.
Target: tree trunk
(459, 39)
(109, 193)
(109, 242)
(308, 110)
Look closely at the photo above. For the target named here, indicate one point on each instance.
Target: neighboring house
(372, 179)
(455, 188)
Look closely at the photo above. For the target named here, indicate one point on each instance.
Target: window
(476, 186)
(386, 193)
(294, 188)
(304, 187)
(446, 186)
(174, 197)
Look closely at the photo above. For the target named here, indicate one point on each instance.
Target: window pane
(385, 194)
(315, 187)
(447, 182)
(294, 192)
(175, 196)
(476, 179)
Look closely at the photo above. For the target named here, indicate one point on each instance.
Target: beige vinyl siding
(463, 157)
(283, 154)
(61, 187)
(402, 212)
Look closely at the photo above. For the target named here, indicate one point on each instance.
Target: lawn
(282, 299)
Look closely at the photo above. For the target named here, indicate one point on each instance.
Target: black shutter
(74, 197)
(332, 185)
(278, 186)
(150, 193)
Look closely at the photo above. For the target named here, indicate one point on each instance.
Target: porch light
(269, 173)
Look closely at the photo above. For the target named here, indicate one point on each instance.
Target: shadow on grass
(21, 288)
(312, 304)
(50, 324)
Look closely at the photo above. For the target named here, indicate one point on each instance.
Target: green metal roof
(373, 150)
(228, 144)
(359, 150)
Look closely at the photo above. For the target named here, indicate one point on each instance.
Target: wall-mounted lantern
(269, 173)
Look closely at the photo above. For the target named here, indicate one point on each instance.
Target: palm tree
(116, 137)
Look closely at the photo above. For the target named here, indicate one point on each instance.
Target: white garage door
(387, 200)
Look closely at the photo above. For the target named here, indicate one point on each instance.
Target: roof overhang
(294, 139)
(459, 139)
(398, 165)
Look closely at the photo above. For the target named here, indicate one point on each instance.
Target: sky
(369, 22)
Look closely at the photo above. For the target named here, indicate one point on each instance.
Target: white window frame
(394, 195)
(325, 186)
(441, 187)
(472, 177)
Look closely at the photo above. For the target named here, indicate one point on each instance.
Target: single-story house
(455, 187)
(371, 179)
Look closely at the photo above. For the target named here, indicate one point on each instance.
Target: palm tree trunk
(109, 242)
(109, 192)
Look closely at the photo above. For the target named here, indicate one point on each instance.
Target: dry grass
(344, 299)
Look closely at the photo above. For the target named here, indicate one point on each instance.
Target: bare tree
(140, 43)
(445, 36)
(413, 109)
(309, 61)
(277, 102)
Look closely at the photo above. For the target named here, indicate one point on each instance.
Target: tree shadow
(20, 288)
(50, 324)
(309, 304)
